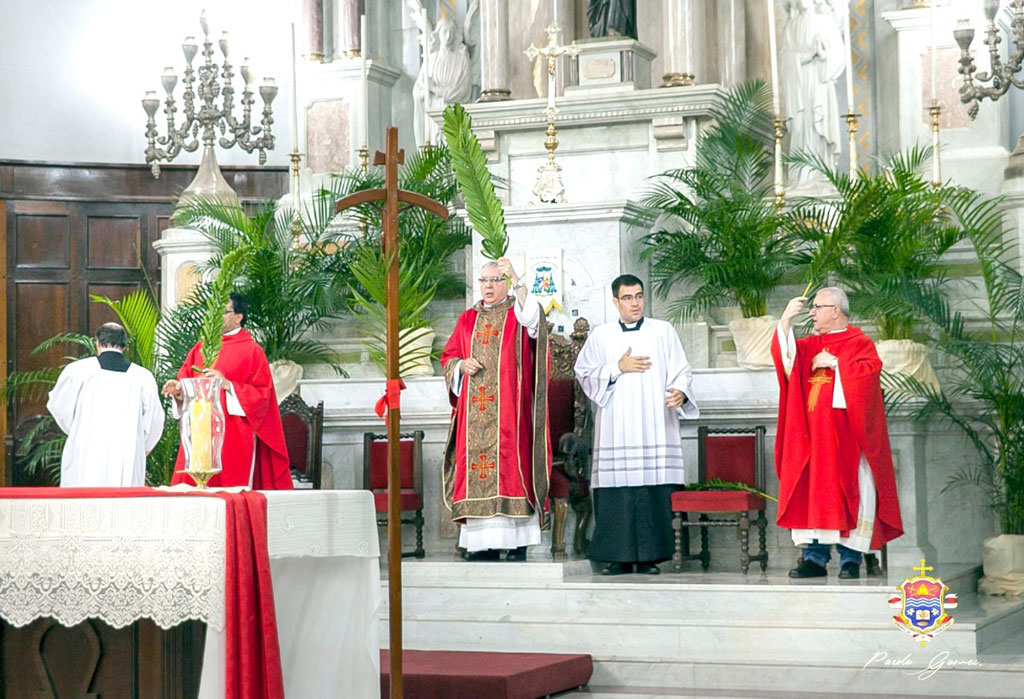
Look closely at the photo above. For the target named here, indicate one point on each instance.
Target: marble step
(924, 672)
(536, 589)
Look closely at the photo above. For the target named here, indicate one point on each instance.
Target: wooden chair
(303, 436)
(375, 479)
(571, 429)
(735, 455)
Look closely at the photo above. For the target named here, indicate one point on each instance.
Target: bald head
(112, 335)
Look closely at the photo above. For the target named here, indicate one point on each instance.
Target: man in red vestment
(498, 456)
(836, 481)
(254, 452)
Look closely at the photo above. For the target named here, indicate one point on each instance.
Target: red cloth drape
(253, 656)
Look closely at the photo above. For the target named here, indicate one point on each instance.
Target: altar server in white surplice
(112, 414)
(636, 373)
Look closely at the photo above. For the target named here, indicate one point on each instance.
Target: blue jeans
(821, 553)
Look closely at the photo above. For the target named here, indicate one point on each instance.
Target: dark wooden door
(59, 254)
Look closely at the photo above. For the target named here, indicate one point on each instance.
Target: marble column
(347, 33)
(312, 39)
(732, 41)
(686, 29)
(494, 78)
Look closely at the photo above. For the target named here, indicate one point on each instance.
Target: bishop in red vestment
(836, 481)
(498, 456)
(254, 451)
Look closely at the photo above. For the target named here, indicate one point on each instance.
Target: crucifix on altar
(549, 188)
(392, 196)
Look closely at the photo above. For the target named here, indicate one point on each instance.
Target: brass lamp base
(202, 478)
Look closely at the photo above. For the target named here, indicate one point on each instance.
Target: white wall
(73, 72)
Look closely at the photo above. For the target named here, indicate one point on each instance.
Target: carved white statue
(447, 78)
(812, 59)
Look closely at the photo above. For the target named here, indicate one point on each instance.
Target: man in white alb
(636, 373)
(111, 412)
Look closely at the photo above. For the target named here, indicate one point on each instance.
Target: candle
(426, 77)
(366, 81)
(554, 5)
(849, 60)
(774, 56)
(295, 96)
(932, 42)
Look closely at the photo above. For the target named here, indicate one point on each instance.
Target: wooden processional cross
(391, 196)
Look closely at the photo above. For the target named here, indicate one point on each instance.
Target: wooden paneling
(43, 241)
(99, 313)
(114, 242)
(46, 660)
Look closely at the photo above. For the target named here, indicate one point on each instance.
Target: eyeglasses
(629, 297)
(819, 306)
(492, 280)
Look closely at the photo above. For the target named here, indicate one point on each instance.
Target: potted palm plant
(983, 396)
(717, 232)
(885, 237)
(427, 245)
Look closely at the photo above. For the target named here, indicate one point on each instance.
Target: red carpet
(445, 674)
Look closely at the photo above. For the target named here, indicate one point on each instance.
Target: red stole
(818, 448)
(495, 462)
(243, 363)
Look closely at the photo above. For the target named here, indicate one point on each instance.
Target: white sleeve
(529, 316)
(680, 377)
(596, 377)
(787, 343)
(231, 401)
(456, 387)
(152, 413)
(63, 398)
(838, 397)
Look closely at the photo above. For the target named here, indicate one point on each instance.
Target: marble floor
(709, 693)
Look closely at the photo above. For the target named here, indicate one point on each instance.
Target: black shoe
(617, 569)
(648, 569)
(485, 555)
(516, 554)
(849, 571)
(808, 569)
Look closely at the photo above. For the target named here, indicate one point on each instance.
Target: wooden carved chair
(375, 479)
(734, 455)
(570, 421)
(303, 436)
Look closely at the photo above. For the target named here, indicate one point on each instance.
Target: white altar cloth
(162, 558)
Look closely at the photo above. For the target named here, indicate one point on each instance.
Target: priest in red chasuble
(254, 452)
(836, 481)
(498, 456)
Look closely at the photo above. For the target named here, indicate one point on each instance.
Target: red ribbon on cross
(392, 398)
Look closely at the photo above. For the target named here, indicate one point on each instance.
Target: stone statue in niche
(611, 18)
(449, 72)
(812, 59)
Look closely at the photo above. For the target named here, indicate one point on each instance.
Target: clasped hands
(629, 364)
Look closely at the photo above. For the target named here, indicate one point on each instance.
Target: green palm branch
(211, 333)
(139, 316)
(474, 179)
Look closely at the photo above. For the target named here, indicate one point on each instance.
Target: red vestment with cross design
(818, 447)
(495, 462)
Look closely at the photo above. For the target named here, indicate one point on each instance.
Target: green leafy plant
(983, 390)
(426, 246)
(717, 231)
(885, 236)
(470, 165)
(720, 484)
(212, 331)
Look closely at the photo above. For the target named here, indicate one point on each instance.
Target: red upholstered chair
(571, 440)
(303, 436)
(375, 479)
(730, 455)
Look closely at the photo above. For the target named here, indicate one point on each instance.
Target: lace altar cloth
(115, 559)
(161, 558)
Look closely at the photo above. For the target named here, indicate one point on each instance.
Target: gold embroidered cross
(486, 334)
(923, 568)
(483, 399)
(482, 465)
(818, 379)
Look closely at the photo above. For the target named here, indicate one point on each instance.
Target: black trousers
(633, 524)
